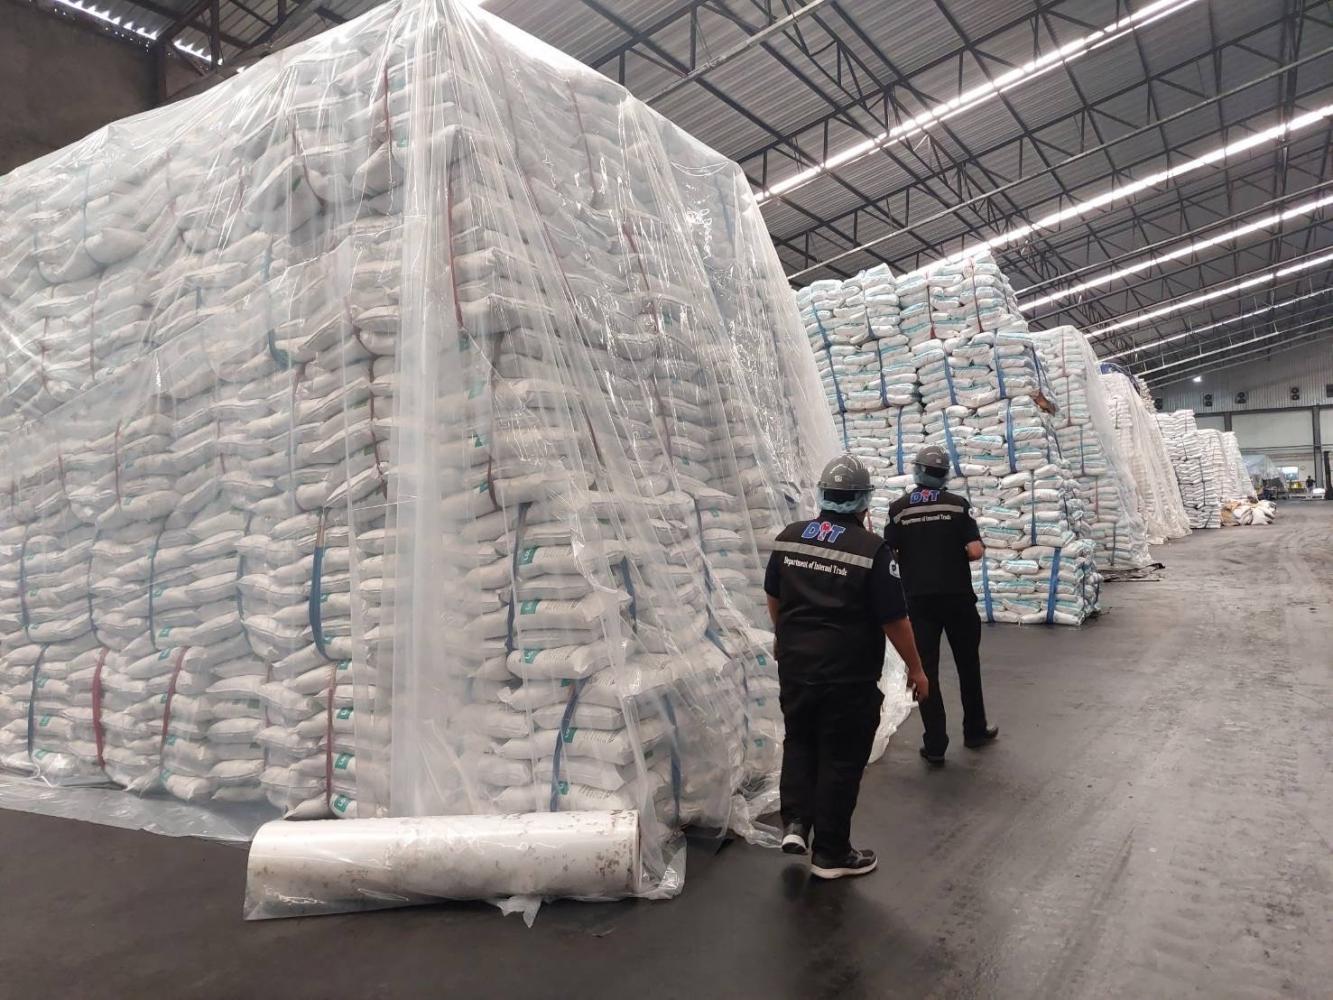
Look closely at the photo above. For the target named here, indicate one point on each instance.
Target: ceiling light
(1198, 378)
(1216, 293)
(1134, 187)
(981, 94)
(1185, 251)
(1192, 331)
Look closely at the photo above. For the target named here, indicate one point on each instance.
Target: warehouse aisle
(1155, 821)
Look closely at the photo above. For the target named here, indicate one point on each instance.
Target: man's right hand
(918, 684)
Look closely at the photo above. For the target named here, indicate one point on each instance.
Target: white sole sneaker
(794, 844)
(830, 873)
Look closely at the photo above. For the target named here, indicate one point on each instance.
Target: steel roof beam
(1087, 113)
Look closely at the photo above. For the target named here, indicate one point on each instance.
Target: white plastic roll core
(335, 866)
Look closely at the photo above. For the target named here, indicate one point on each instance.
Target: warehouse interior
(340, 337)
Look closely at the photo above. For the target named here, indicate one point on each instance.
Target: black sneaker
(855, 863)
(976, 742)
(796, 838)
(933, 759)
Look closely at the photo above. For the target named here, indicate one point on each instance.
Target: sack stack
(385, 430)
(869, 375)
(1198, 465)
(1088, 442)
(1140, 440)
(946, 358)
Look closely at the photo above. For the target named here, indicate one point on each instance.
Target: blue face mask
(862, 502)
(928, 479)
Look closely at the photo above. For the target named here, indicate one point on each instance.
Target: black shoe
(796, 838)
(976, 742)
(933, 759)
(855, 863)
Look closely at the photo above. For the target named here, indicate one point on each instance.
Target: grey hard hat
(846, 472)
(932, 456)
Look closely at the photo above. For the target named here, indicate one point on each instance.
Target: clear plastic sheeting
(1238, 485)
(399, 428)
(1140, 441)
(946, 358)
(1084, 428)
(326, 866)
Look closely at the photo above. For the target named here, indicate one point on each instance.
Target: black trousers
(957, 618)
(830, 730)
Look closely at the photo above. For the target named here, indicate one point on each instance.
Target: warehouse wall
(1266, 384)
(1269, 422)
(60, 81)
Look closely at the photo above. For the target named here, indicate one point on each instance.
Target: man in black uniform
(934, 537)
(833, 596)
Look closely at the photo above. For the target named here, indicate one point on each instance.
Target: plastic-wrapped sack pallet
(1238, 485)
(399, 428)
(1084, 428)
(951, 363)
(1140, 439)
(1198, 465)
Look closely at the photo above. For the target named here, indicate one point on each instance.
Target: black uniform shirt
(836, 585)
(929, 531)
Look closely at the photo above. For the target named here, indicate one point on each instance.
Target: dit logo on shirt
(822, 531)
(924, 496)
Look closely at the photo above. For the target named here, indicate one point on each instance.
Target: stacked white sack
(604, 414)
(1088, 442)
(1238, 484)
(1140, 438)
(985, 397)
(1199, 481)
(870, 379)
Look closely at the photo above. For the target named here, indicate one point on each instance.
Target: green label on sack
(44, 720)
(164, 632)
(341, 761)
(759, 741)
(763, 660)
(478, 441)
(344, 664)
(162, 655)
(527, 555)
(324, 597)
(41, 682)
(251, 703)
(565, 682)
(39, 754)
(475, 390)
(528, 607)
(564, 787)
(530, 654)
(159, 590)
(171, 740)
(341, 802)
(343, 714)
(569, 733)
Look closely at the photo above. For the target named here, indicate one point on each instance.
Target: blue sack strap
(314, 609)
(32, 698)
(832, 370)
(675, 752)
(1009, 435)
(948, 377)
(901, 459)
(948, 443)
(1032, 488)
(1055, 585)
(23, 582)
(999, 369)
(562, 736)
(515, 555)
(985, 589)
(883, 387)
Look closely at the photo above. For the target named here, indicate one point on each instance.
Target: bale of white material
(330, 866)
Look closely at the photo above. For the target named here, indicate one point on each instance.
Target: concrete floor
(1155, 821)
